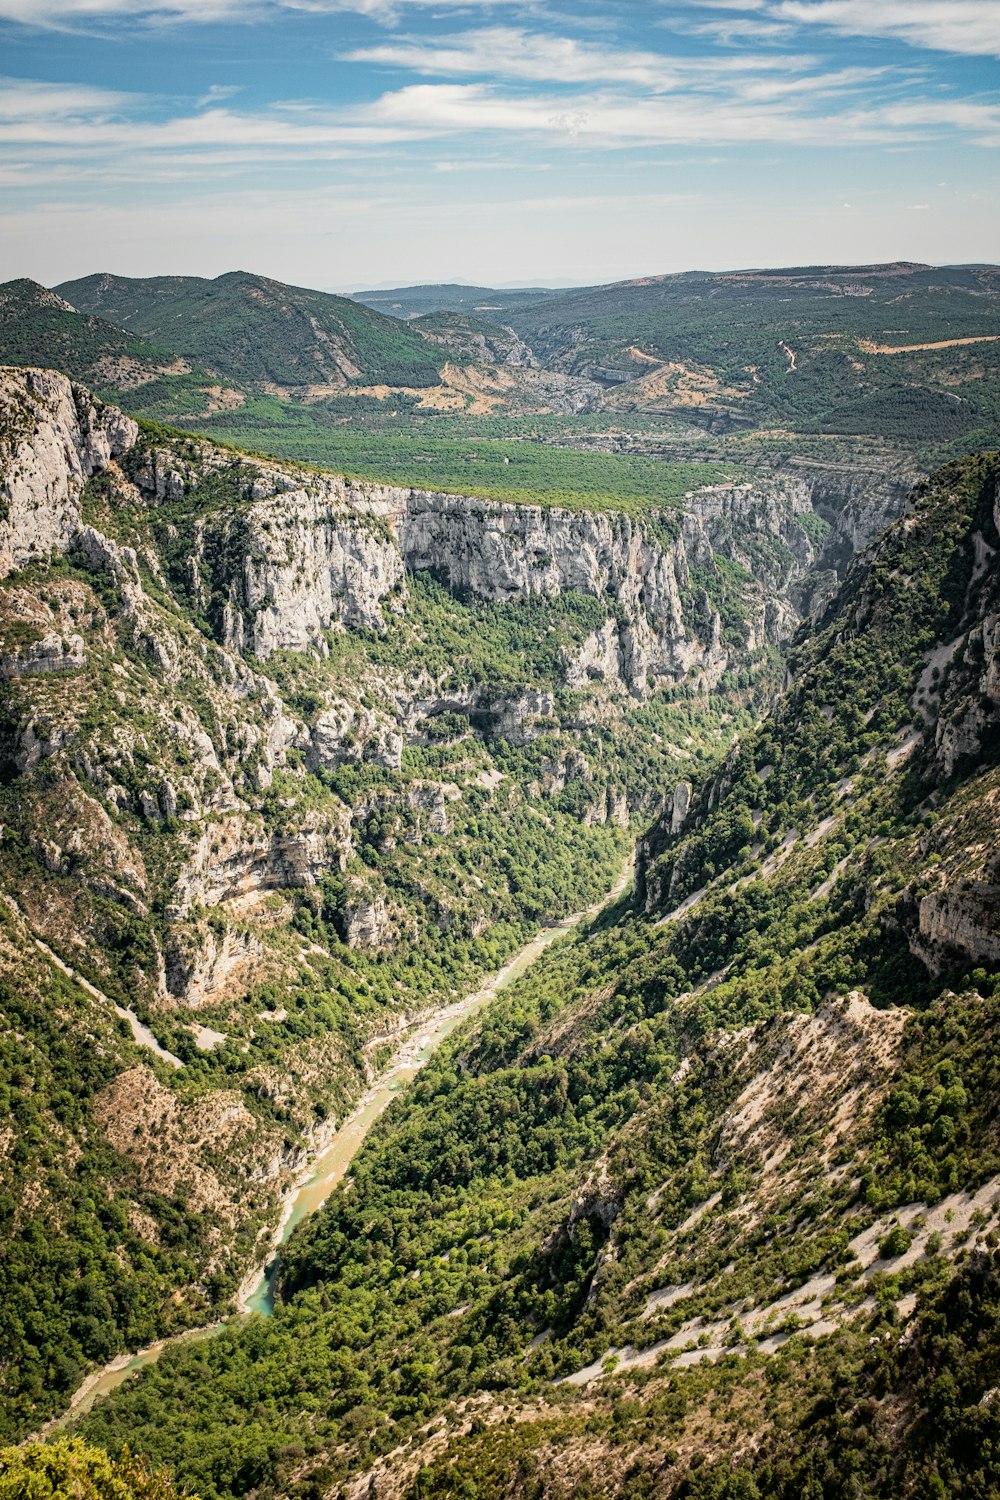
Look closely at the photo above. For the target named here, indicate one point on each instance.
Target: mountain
(39, 327)
(895, 350)
(255, 331)
(705, 1203)
(749, 365)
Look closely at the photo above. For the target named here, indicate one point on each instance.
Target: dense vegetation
(578, 1149)
(520, 471)
(254, 330)
(79, 1284)
(69, 1470)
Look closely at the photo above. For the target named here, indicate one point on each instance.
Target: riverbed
(330, 1166)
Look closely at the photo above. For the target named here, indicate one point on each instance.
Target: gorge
(292, 761)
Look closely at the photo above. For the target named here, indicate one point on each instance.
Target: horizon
(538, 285)
(366, 143)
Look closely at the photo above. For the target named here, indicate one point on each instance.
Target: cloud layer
(384, 104)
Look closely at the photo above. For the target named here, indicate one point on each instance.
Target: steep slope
(664, 1211)
(39, 327)
(286, 763)
(256, 331)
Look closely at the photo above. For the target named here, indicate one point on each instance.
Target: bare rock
(53, 436)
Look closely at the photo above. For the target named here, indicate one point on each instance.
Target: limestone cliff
(53, 436)
(894, 698)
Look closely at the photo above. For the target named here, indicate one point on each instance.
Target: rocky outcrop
(469, 338)
(429, 801)
(237, 859)
(53, 653)
(680, 804)
(960, 923)
(200, 958)
(502, 552)
(970, 718)
(858, 503)
(346, 732)
(367, 922)
(304, 563)
(53, 436)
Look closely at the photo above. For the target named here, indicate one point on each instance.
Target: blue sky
(352, 143)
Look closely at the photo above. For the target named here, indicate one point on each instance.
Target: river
(331, 1164)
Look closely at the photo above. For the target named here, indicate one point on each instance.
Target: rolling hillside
(255, 331)
(38, 327)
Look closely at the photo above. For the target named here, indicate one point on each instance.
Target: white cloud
(217, 92)
(73, 14)
(510, 52)
(103, 131)
(967, 26)
(28, 99)
(744, 28)
(613, 120)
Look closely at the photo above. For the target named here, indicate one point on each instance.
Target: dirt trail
(142, 1034)
(872, 348)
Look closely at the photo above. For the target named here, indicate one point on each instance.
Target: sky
(346, 144)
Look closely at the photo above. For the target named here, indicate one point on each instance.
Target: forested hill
(705, 1205)
(253, 330)
(896, 365)
(39, 327)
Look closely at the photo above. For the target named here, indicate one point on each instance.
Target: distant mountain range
(900, 353)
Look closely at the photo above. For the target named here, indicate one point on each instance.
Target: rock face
(963, 923)
(502, 552)
(53, 436)
(680, 805)
(974, 690)
(348, 732)
(307, 556)
(857, 503)
(367, 923)
(308, 559)
(938, 558)
(53, 653)
(236, 859)
(307, 564)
